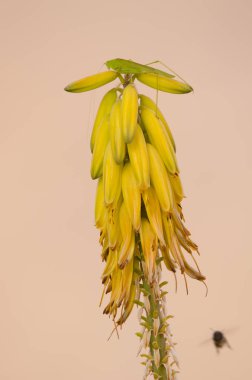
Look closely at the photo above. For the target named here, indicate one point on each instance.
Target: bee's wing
(228, 345)
(230, 330)
(206, 341)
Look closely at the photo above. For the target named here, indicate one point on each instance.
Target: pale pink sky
(50, 324)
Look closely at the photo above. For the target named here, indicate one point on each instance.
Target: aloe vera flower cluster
(138, 206)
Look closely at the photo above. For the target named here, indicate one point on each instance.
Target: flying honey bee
(220, 340)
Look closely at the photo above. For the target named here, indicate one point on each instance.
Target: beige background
(50, 324)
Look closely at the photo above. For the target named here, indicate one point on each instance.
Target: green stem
(155, 321)
(155, 309)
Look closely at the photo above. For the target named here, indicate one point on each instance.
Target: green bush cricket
(125, 66)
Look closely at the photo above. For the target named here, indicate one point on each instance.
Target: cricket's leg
(167, 67)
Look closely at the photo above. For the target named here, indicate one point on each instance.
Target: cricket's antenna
(157, 97)
(167, 67)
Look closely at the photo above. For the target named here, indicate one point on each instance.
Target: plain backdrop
(50, 324)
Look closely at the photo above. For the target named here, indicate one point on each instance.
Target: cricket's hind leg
(167, 67)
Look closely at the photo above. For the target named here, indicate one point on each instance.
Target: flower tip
(190, 89)
(67, 88)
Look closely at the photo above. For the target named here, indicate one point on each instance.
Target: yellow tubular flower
(177, 187)
(110, 264)
(131, 195)
(129, 112)
(154, 214)
(145, 101)
(173, 243)
(92, 82)
(116, 133)
(103, 111)
(149, 246)
(111, 177)
(139, 159)
(100, 146)
(159, 139)
(116, 287)
(125, 255)
(127, 275)
(100, 210)
(129, 305)
(164, 84)
(113, 228)
(126, 249)
(160, 180)
(169, 262)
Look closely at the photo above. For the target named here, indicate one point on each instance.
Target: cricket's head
(114, 64)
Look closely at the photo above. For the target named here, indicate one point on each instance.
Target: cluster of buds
(138, 204)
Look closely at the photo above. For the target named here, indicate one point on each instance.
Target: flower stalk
(156, 339)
